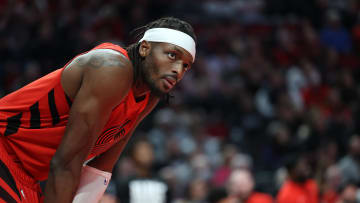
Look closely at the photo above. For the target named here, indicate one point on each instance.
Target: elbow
(56, 166)
(64, 174)
(62, 181)
(60, 167)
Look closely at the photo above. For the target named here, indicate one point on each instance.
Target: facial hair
(146, 72)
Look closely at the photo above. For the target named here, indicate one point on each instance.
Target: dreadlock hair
(138, 33)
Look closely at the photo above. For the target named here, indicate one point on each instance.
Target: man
(349, 193)
(349, 165)
(241, 189)
(87, 110)
(143, 185)
(299, 188)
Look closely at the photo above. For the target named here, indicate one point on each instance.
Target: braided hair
(138, 33)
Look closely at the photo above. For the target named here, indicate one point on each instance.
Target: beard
(146, 72)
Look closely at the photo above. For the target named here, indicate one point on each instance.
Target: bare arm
(107, 160)
(105, 80)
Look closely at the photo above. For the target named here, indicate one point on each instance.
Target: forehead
(169, 46)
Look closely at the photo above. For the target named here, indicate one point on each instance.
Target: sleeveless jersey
(33, 120)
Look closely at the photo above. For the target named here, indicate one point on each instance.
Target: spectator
(299, 188)
(350, 164)
(331, 185)
(241, 186)
(349, 193)
(334, 35)
(198, 191)
(144, 185)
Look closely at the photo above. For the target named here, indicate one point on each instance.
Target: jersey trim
(52, 106)
(35, 116)
(13, 124)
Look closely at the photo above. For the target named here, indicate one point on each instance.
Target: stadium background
(272, 78)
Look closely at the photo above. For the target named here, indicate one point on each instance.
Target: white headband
(171, 36)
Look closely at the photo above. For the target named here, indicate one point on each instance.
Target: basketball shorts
(15, 184)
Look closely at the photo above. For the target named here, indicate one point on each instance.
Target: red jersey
(258, 197)
(292, 192)
(33, 121)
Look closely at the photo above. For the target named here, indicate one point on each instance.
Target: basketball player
(87, 110)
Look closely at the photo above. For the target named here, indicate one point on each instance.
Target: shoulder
(103, 64)
(103, 58)
(107, 70)
(103, 68)
(98, 59)
(345, 160)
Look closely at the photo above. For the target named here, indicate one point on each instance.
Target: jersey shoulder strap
(115, 47)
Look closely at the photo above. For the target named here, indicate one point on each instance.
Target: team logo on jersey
(112, 134)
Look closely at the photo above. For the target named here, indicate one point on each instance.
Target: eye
(172, 55)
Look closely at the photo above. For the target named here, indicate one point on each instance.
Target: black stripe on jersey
(53, 110)
(35, 116)
(13, 124)
(6, 176)
(6, 197)
(68, 100)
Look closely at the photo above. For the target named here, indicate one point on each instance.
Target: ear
(144, 48)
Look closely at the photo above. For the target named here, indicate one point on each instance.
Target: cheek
(154, 65)
(161, 62)
(154, 73)
(148, 68)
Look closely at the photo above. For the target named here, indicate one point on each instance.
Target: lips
(171, 81)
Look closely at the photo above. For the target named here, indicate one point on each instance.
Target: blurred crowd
(269, 112)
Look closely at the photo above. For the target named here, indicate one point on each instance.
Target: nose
(178, 70)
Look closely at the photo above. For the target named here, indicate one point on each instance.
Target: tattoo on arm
(98, 60)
